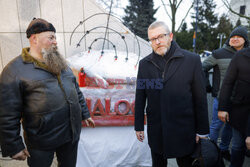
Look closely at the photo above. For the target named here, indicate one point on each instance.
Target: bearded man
(39, 90)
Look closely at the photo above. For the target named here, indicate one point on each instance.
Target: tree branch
(179, 4)
(164, 5)
(182, 21)
(170, 2)
(226, 3)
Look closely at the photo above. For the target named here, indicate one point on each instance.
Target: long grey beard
(54, 61)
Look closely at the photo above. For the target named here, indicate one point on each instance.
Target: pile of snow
(106, 67)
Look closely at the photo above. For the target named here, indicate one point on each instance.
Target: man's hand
(140, 135)
(197, 138)
(22, 155)
(223, 116)
(90, 122)
(248, 142)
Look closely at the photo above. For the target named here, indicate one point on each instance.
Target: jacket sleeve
(82, 102)
(227, 86)
(207, 65)
(200, 100)
(140, 101)
(10, 114)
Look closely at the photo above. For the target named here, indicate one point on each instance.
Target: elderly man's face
(46, 40)
(47, 45)
(160, 40)
(237, 42)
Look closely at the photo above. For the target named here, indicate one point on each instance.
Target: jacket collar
(175, 52)
(229, 48)
(27, 58)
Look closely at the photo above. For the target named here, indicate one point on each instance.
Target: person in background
(219, 62)
(170, 81)
(234, 104)
(39, 90)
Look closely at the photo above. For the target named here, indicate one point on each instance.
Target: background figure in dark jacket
(170, 81)
(219, 61)
(39, 90)
(234, 103)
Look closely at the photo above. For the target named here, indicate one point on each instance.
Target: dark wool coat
(176, 102)
(235, 92)
(51, 106)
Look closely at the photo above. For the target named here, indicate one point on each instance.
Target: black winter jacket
(176, 102)
(50, 107)
(235, 92)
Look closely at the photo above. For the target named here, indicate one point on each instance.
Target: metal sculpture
(107, 28)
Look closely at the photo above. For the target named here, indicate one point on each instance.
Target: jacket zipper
(163, 74)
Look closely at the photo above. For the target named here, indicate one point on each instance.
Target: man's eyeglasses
(159, 38)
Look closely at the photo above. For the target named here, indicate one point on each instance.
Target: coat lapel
(174, 63)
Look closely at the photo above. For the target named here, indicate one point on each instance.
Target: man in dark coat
(39, 90)
(170, 81)
(234, 103)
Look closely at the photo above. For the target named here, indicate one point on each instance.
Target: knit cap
(242, 32)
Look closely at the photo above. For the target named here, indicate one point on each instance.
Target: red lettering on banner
(98, 108)
(88, 101)
(119, 82)
(107, 107)
(104, 117)
(100, 83)
(117, 104)
(133, 107)
(90, 82)
(111, 83)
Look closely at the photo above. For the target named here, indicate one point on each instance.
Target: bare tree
(174, 5)
(227, 4)
(116, 5)
(106, 3)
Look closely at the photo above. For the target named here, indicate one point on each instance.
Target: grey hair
(157, 24)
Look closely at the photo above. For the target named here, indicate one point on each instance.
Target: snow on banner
(109, 85)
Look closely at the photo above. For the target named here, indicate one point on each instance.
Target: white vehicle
(205, 53)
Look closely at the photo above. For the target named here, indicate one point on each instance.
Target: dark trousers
(66, 156)
(158, 160)
(238, 149)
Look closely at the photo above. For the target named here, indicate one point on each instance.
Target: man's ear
(33, 38)
(171, 36)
